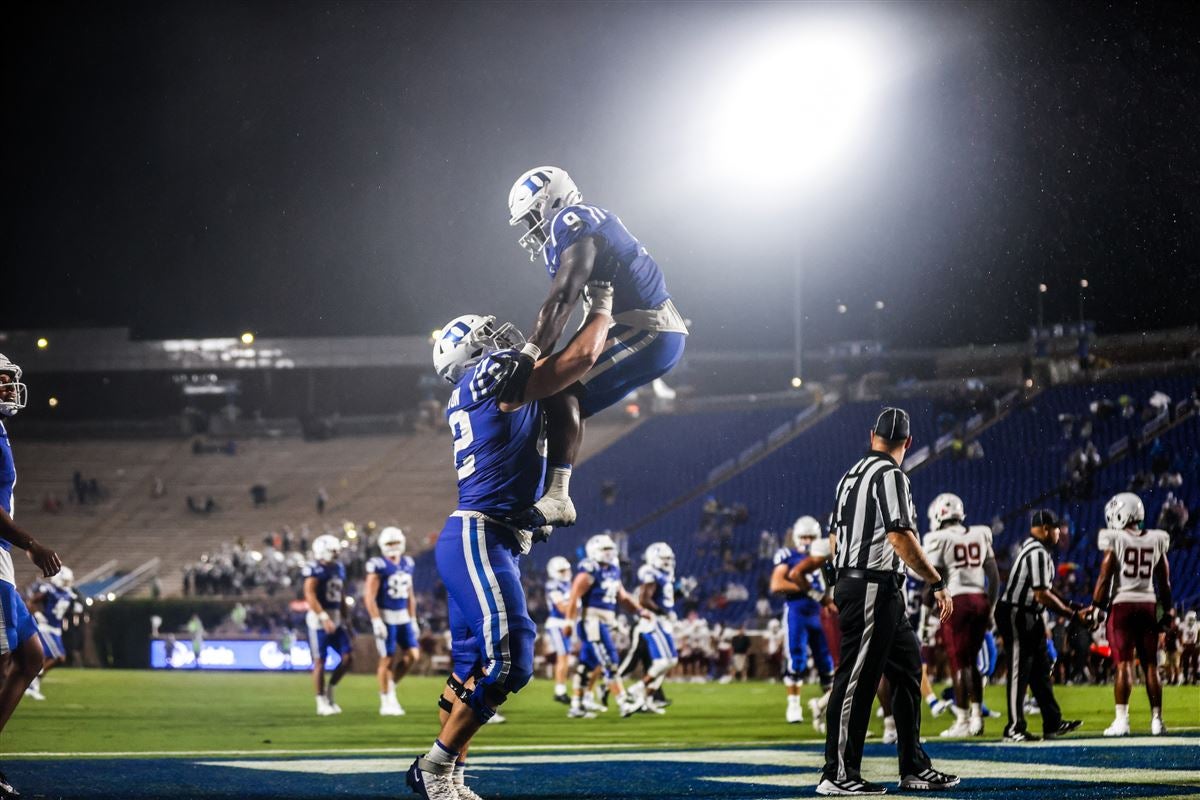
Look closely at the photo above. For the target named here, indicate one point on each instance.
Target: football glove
(379, 628)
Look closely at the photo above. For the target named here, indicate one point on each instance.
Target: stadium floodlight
(247, 338)
(795, 106)
(43, 343)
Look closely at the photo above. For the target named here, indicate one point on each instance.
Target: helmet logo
(533, 186)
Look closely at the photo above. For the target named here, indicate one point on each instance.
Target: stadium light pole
(791, 112)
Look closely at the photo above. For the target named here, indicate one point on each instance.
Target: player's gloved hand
(542, 534)
(599, 297)
(524, 541)
(379, 628)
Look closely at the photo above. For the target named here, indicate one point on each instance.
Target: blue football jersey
(500, 456)
(556, 592)
(606, 583)
(57, 603)
(331, 583)
(664, 587)
(395, 581)
(8, 479)
(801, 603)
(620, 259)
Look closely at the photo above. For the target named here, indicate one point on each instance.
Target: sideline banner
(235, 654)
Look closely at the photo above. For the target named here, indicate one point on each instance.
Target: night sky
(343, 168)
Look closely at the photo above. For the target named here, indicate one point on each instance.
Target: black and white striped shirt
(1032, 569)
(873, 499)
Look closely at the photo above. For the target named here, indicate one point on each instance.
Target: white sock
(1123, 712)
(1156, 713)
(976, 710)
(460, 773)
(889, 723)
(391, 687)
(560, 481)
(560, 689)
(793, 701)
(960, 714)
(931, 698)
(441, 756)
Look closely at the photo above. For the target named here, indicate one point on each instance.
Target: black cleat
(562, 698)
(849, 788)
(1021, 737)
(7, 790)
(1064, 727)
(929, 780)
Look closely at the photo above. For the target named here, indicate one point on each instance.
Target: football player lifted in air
(392, 605)
(495, 416)
(21, 654)
(558, 589)
(328, 618)
(597, 588)
(1135, 560)
(657, 595)
(964, 556)
(797, 577)
(580, 243)
(53, 599)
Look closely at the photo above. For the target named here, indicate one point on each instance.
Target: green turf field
(110, 711)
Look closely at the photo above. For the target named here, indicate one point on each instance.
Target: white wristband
(532, 350)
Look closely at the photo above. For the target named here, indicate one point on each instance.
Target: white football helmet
(1125, 510)
(660, 556)
(325, 548)
(467, 339)
(601, 548)
(1189, 616)
(65, 578)
(945, 508)
(559, 569)
(535, 199)
(13, 394)
(805, 531)
(392, 542)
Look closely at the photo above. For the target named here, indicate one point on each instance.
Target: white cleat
(324, 707)
(794, 714)
(1157, 726)
(889, 736)
(940, 707)
(632, 705)
(33, 692)
(579, 713)
(818, 719)
(591, 705)
(975, 726)
(497, 719)
(391, 708)
(431, 781)
(959, 730)
(465, 793)
(1118, 728)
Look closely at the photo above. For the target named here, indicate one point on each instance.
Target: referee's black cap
(892, 424)
(1044, 518)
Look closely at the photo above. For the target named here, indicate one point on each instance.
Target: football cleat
(1120, 727)
(324, 707)
(591, 705)
(794, 714)
(34, 693)
(391, 708)
(574, 712)
(431, 781)
(889, 735)
(7, 789)
(562, 698)
(1157, 726)
(496, 719)
(940, 707)
(1021, 737)
(632, 706)
(1064, 727)
(849, 788)
(929, 780)
(464, 793)
(975, 726)
(959, 730)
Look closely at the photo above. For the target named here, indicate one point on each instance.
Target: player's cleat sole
(849, 788)
(1064, 727)
(929, 780)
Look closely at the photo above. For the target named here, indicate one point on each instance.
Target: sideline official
(875, 536)
(1019, 620)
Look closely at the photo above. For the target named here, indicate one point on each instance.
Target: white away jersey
(959, 554)
(1137, 553)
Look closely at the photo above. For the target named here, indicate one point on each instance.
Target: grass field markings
(1096, 742)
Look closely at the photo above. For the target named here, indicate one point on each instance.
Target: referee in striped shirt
(1020, 622)
(875, 536)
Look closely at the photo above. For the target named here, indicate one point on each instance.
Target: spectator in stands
(258, 494)
(158, 488)
(80, 488)
(322, 499)
(608, 492)
(1173, 518)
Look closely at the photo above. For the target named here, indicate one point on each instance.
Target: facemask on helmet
(392, 542)
(535, 199)
(467, 339)
(65, 578)
(1125, 510)
(660, 556)
(558, 569)
(13, 393)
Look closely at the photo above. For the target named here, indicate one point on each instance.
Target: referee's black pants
(877, 640)
(1023, 633)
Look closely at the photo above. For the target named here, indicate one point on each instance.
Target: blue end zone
(1070, 771)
